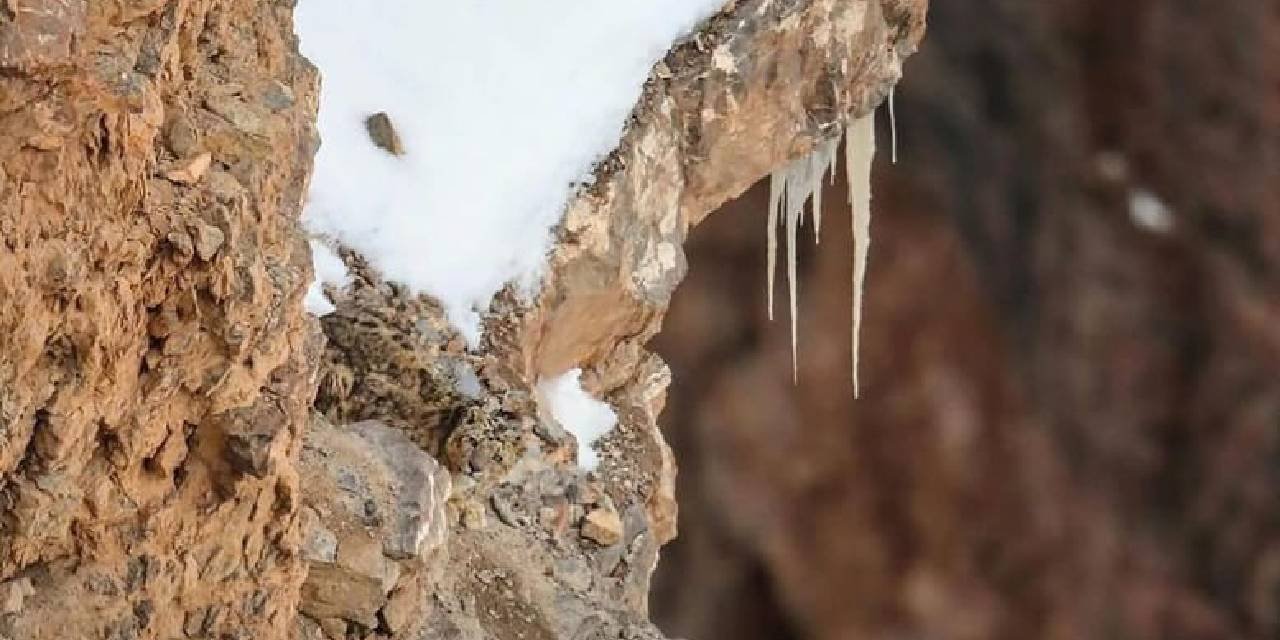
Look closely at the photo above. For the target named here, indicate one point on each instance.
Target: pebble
(190, 170)
(383, 133)
(208, 240)
(603, 526)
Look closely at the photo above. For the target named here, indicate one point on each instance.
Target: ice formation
(800, 182)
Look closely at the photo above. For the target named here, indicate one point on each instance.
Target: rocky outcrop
(162, 467)
(156, 370)
(373, 514)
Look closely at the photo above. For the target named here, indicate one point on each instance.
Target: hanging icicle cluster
(801, 181)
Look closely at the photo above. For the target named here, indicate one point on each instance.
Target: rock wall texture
(155, 368)
(1070, 421)
(185, 454)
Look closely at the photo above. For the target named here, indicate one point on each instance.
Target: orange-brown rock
(156, 369)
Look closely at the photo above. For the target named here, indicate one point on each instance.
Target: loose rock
(602, 525)
(383, 133)
(189, 171)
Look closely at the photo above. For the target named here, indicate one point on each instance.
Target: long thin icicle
(822, 159)
(789, 189)
(793, 221)
(860, 148)
(777, 184)
(893, 129)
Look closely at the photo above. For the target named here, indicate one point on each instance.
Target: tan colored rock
(14, 593)
(346, 591)
(208, 240)
(375, 510)
(602, 525)
(190, 170)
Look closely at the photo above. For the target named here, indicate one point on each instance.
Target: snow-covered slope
(501, 105)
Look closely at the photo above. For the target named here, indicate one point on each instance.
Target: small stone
(404, 606)
(305, 628)
(14, 593)
(241, 115)
(208, 240)
(190, 170)
(180, 135)
(334, 628)
(506, 503)
(182, 244)
(603, 526)
(224, 186)
(383, 133)
(278, 96)
(473, 516)
(319, 544)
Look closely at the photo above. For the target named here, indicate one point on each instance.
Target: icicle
(793, 218)
(860, 148)
(817, 207)
(823, 157)
(777, 184)
(893, 128)
(789, 189)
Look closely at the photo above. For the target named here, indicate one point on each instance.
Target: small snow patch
(466, 381)
(497, 106)
(586, 418)
(329, 270)
(1148, 211)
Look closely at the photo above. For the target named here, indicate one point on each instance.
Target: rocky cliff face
(157, 370)
(185, 453)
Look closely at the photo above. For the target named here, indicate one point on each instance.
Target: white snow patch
(586, 418)
(500, 105)
(466, 381)
(1148, 211)
(329, 270)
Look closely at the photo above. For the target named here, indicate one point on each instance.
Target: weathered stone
(419, 488)
(190, 170)
(383, 133)
(208, 240)
(278, 96)
(375, 509)
(14, 593)
(180, 135)
(96, 399)
(344, 592)
(319, 544)
(603, 526)
(239, 113)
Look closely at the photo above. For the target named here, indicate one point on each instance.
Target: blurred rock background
(1070, 422)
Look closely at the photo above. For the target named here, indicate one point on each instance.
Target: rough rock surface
(373, 513)
(1070, 426)
(157, 371)
(539, 549)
